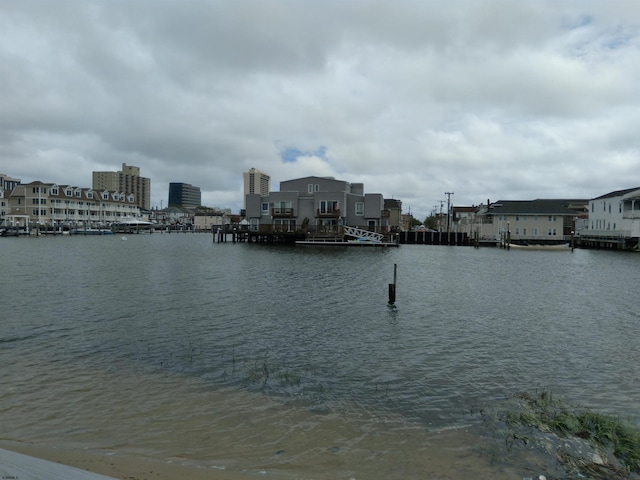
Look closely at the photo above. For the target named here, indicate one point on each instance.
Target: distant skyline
(487, 99)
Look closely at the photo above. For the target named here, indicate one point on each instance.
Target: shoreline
(449, 455)
(120, 465)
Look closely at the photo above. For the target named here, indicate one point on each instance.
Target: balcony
(328, 213)
(281, 212)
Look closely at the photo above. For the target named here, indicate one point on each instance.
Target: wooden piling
(392, 286)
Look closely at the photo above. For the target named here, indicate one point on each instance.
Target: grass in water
(605, 433)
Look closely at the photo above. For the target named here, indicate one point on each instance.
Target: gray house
(317, 204)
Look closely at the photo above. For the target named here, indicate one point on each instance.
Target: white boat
(560, 247)
(132, 225)
(94, 231)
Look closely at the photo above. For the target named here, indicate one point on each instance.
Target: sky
(487, 100)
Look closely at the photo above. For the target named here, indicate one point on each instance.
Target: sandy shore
(444, 459)
(122, 466)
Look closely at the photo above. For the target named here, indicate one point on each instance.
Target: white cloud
(489, 99)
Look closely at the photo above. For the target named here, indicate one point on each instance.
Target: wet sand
(450, 455)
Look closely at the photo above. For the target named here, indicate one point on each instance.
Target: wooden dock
(16, 466)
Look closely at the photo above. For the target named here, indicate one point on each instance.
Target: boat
(559, 247)
(132, 225)
(94, 231)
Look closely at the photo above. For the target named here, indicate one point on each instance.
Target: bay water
(288, 360)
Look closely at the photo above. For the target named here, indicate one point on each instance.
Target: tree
(414, 222)
(431, 222)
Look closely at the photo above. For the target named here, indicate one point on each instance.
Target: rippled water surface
(175, 340)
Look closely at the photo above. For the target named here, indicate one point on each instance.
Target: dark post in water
(392, 286)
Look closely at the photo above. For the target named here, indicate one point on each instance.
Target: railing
(336, 230)
(328, 213)
(632, 214)
(606, 233)
(282, 212)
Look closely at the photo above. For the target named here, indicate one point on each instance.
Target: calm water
(253, 356)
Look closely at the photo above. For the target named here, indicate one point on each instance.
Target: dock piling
(392, 286)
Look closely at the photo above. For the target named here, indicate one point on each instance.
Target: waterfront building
(614, 220)
(50, 204)
(184, 195)
(256, 181)
(127, 180)
(540, 221)
(7, 183)
(4, 206)
(320, 203)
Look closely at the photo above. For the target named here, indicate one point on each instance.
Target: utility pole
(448, 194)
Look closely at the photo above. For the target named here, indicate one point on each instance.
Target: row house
(321, 204)
(614, 220)
(542, 221)
(52, 204)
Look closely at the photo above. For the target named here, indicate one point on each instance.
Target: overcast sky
(510, 100)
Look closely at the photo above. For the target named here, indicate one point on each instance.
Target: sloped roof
(617, 193)
(536, 207)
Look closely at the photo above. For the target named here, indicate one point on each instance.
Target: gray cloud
(488, 99)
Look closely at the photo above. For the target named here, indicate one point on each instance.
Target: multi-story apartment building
(51, 204)
(614, 220)
(318, 203)
(4, 206)
(8, 183)
(127, 180)
(184, 195)
(256, 181)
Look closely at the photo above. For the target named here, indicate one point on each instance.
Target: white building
(50, 204)
(614, 220)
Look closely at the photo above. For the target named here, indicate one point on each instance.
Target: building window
(282, 207)
(265, 208)
(517, 218)
(524, 231)
(54, 191)
(329, 206)
(517, 230)
(310, 188)
(552, 218)
(360, 208)
(552, 232)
